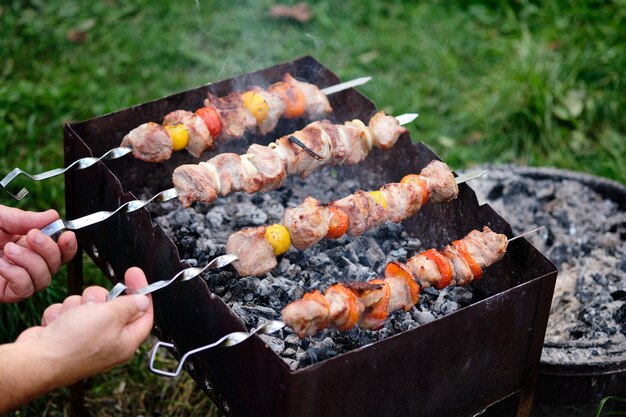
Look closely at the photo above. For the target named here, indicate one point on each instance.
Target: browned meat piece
(441, 183)
(363, 211)
(462, 272)
(150, 142)
(299, 160)
(247, 241)
(338, 142)
(276, 109)
(307, 316)
(317, 105)
(307, 223)
(366, 293)
(236, 120)
(231, 173)
(400, 294)
(344, 309)
(271, 170)
(376, 314)
(486, 247)
(193, 183)
(199, 136)
(357, 142)
(386, 130)
(403, 200)
(425, 270)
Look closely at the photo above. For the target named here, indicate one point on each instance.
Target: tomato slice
(211, 119)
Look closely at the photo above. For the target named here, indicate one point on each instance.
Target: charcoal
(586, 239)
(292, 340)
(422, 317)
(275, 343)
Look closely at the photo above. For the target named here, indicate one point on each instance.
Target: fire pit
(584, 355)
(456, 365)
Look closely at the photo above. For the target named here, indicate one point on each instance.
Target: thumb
(19, 222)
(29, 334)
(129, 307)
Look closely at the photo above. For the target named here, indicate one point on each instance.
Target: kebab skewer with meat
(265, 168)
(227, 118)
(368, 304)
(303, 226)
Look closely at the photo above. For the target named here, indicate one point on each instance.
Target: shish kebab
(220, 119)
(265, 168)
(230, 117)
(257, 248)
(368, 304)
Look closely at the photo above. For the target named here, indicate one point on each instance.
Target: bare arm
(81, 337)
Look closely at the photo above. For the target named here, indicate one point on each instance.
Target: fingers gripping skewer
(54, 229)
(228, 340)
(124, 150)
(184, 275)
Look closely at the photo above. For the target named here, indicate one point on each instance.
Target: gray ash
(201, 232)
(586, 239)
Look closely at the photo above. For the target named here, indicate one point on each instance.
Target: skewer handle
(184, 275)
(228, 340)
(78, 164)
(55, 228)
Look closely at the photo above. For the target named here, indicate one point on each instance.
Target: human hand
(28, 257)
(87, 335)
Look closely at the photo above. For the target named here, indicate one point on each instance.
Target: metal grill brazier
(457, 365)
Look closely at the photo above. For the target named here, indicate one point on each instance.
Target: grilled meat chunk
(307, 223)
(236, 120)
(194, 183)
(386, 130)
(150, 142)
(251, 240)
(363, 211)
(200, 139)
(317, 105)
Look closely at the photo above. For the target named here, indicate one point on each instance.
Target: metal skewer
(124, 150)
(230, 339)
(184, 275)
(526, 233)
(235, 338)
(55, 228)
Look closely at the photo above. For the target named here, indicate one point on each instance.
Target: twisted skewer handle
(184, 275)
(55, 228)
(123, 150)
(78, 164)
(228, 340)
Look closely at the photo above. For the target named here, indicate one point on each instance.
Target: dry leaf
(300, 12)
(76, 36)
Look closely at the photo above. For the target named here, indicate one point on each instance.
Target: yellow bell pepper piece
(179, 135)
(379, 197)
(256, 105)
(278, 237)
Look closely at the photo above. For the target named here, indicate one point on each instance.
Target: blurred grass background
(538, 83)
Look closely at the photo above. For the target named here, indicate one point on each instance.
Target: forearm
(28, 370)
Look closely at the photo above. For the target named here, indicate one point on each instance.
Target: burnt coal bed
(201, 232)
(585, 236)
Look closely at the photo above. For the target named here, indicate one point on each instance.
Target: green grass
(537, 83)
